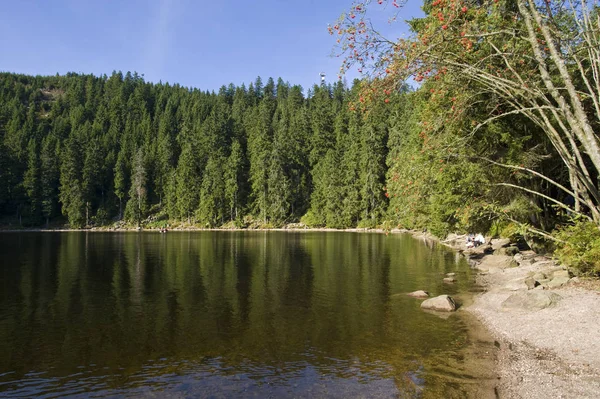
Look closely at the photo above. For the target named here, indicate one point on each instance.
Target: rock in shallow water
(419, 294)
(443, 303)
(530, 300)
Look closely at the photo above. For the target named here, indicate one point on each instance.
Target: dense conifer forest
(98, 149)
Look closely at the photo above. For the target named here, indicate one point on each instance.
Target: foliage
(532, 64)
(580, 247)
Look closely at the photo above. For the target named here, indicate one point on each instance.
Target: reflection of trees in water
(259, 302)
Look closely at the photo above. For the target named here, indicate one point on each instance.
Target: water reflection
(222, 313)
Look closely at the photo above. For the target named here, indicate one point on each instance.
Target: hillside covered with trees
(500, 136)
(98, 149)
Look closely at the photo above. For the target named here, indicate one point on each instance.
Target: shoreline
(541, 349)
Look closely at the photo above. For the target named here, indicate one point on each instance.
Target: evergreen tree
(138, 193)
(50, 176)
(71, 190)
(32, 182)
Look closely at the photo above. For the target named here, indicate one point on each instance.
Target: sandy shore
(547, 336)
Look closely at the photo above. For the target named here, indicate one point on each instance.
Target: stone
(449, 280)
(516, 285)
(561, 273)
(539, 276)
(441, 303)
(450, 274)
(419, 294)
(508, 251)
(531, 300)
(531, 283)
(558, 281)
(498, 243)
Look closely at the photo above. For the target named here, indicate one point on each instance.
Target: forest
(497, 134)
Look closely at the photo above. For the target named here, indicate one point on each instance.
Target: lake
(228, 314)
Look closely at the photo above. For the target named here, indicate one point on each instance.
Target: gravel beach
(546, 324)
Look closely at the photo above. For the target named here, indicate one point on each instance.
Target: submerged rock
(442, 303)
(419, 294)
(449, 280)
(531, 300)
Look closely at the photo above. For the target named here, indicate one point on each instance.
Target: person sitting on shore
(479, 239)
(470, 241)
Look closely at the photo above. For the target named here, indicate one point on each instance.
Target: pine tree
(50, 176)
(71, 190)
(234, 175)
(32, 182)
(138, 193)
(121, 179)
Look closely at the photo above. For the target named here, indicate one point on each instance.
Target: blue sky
(196, 43)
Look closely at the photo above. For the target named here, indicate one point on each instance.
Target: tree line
(93, 150)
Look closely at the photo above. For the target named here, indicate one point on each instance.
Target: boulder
(531, 283)
(530, 300)
(449, 280)
(442, 303)
(516, 285)
(498, 243)
(508, 251)
(560, 273)
(419, 294)
(539, 276)
(575, 280)
(558, 281)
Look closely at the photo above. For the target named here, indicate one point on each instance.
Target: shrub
(580, 247)
(310, 220)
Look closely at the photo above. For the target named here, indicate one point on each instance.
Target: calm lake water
(226, 314)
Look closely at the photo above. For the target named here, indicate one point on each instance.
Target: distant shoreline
(157, 230)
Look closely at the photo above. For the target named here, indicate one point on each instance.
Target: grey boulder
(442, 303)
(531, 300)
(419, 294)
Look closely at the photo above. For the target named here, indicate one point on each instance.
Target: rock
(442, 303)
(488, 250)
(518, 258)
(498, 243)
(539, 276)
(575, 280)
(531, 300)
(419, 294)
(450, 274)
(516, 285)
(531, 283)
(449, 280)
(558, 281)
(508, 251)
(560, 273)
